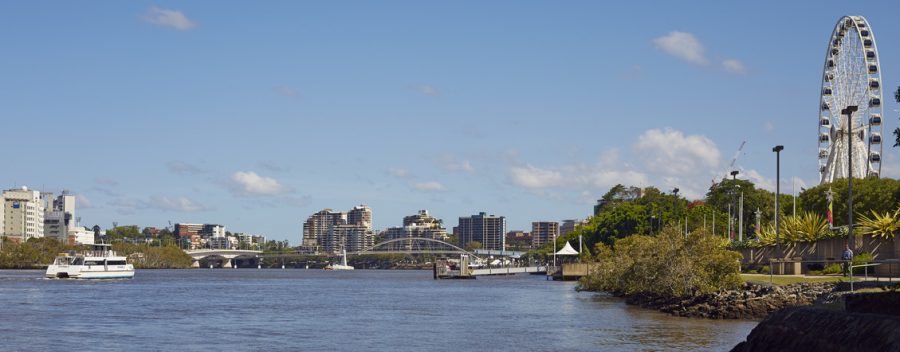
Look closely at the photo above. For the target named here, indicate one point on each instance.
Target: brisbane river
(317, 310)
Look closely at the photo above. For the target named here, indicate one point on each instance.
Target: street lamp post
(849, 112)
(777, 150)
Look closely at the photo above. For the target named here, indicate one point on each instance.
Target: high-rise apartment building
(23, 214)
(420, 225)
(315, 229)
(543, 232)
(360, 215)
(349, 237)
(489, 230)
(333, 232)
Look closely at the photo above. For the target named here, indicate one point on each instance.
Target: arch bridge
(226, 255)
(413, 245)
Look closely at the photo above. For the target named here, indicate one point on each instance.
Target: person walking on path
(847, 257)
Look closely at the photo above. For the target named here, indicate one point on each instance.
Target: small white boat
(342, 266)
(101, 262)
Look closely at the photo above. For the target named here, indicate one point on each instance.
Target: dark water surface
(293, 310)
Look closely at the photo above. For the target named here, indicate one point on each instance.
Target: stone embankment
(751, 301)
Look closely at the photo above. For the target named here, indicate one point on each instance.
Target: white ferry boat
(342, 266)
(101, 262)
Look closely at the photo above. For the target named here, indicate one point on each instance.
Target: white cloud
(450, 163)
(183, 168)
(430, 186)
(532, 177)
(665, 159)
(398, 172)
(684, 46)
(758, 179)
(174, 204)
(579, 177)
(427, 89)
(105, 181)
(891, 166)
(168, 18)
(249, 183)
(164, 203)
(734, 66)
(670, 152)
(81, 201)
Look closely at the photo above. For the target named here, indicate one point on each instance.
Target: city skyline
(149, 112)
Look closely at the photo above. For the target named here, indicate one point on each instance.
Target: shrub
(668, 264)
(832, 269)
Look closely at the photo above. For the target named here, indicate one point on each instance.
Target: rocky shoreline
(751, 301)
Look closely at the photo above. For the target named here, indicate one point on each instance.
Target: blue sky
(255, 115)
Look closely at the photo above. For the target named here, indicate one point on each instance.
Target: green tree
(880, 195)
(727, 192)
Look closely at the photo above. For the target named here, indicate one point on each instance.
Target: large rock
(815, 329)
(751, 301)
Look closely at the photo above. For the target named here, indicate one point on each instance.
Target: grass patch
(787, 280)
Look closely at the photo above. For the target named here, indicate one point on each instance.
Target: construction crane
(737, 155)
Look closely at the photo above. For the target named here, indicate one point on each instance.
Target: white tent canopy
(567, 250)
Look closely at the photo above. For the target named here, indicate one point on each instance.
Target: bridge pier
(195, 263)
(226, 263)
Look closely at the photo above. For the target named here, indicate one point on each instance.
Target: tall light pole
(758, 217)
(675, 204)
(849, 112)
(777, 150)
(734, 209)
(741, 219)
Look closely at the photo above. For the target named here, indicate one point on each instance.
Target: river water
(317, 310)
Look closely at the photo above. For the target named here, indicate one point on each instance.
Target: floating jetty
(463, 269)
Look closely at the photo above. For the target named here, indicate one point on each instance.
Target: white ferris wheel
(851, 77)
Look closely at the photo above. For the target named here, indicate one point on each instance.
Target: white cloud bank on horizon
(667, 158)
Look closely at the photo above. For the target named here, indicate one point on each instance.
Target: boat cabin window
(78, 261)
(116, 262)
(93, 262)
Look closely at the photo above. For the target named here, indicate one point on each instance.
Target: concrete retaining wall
(825, 251)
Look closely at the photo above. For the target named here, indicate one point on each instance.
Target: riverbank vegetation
(669, 264)
(40, 252)
(150, 257)
(627, 211)
(34, 253)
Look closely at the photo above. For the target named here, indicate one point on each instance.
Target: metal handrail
(827, 261)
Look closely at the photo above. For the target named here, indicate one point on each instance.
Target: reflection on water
(249, 309)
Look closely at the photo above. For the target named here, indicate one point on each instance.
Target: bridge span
(225, 255)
